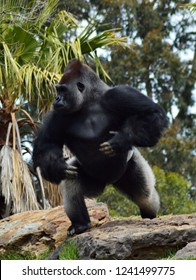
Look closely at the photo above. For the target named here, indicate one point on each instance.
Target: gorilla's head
(78, 86)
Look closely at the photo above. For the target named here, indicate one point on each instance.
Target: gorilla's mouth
(65, 105)
(58, 107)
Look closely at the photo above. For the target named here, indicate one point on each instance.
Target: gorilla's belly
(105, 168)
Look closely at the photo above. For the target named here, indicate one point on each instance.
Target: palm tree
(36, 43)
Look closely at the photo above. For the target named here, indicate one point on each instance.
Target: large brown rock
(137, 239)
(40, 230)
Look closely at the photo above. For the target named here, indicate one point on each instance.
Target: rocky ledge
(130, 238)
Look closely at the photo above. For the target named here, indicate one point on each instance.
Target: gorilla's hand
(71, 172)
(118, 144)
(55, 168)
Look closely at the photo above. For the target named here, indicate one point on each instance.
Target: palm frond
(6, 169)
(6, 173)
(38, 84)
(16, 182)
(23, 193)
(91, 41)
(10, 64)
(42, 10)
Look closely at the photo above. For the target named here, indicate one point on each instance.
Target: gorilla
(102, 126)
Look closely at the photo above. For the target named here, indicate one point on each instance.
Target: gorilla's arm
(48, 153)
(144, 120)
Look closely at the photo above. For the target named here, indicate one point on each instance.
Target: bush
(172, 188)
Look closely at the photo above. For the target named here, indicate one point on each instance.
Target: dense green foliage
(174, 193)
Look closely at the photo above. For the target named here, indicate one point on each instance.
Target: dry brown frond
(6, 173)
(16, 181)
(6, 169)
(23, 193)
(24, 197)
(53, 193)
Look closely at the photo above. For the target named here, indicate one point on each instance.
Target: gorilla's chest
(91, 124)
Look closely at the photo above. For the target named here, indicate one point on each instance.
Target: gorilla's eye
(80, 86)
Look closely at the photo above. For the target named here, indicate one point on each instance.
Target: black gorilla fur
(101, 126)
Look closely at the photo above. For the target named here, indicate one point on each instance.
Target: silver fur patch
(152, 201)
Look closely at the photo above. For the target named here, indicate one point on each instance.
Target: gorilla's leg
(73, 191)
(74, 206)
(138, 183)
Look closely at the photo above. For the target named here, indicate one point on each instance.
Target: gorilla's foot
(77, 229)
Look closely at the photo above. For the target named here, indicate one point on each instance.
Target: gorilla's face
(78, 86)
(69, 97)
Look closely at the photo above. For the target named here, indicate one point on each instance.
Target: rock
(40, 230)
(131, 238)
(189, 251)
(136, 238)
